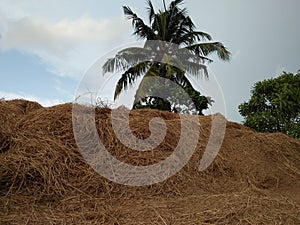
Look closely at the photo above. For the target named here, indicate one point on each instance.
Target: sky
(46, 47)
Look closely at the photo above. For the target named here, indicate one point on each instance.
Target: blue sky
(46, 46)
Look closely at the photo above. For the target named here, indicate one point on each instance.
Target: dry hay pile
(255, 178)
(10, 113)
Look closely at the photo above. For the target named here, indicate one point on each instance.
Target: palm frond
(176, 69)
(130, 76)
(196, 69)
(140, 28)
(179, 27)
(211, 47)
(151, 11)
(192, 37)
(184, 54)
(175, 3)
(125, 59)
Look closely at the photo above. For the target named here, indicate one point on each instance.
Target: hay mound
(255, 178)
(10, 112)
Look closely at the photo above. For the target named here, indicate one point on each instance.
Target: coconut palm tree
(172, 48)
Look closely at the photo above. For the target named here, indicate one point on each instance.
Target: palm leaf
(185, 54)
(175, 4)
(211, 47)
(196, 69)
(192, 37)
(151, 11)
(125, 59)
(130, 76)
(140, 28)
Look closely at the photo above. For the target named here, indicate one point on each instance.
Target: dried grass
(45, 180)
(10, 112)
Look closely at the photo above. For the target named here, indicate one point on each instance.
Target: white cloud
(12, 8)
(43, 101)
(68, 47)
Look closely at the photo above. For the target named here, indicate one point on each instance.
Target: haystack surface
(44, 179)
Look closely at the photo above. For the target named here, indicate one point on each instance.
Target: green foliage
(171, 25)
(174, 103)
(153, 103)
(274, 105)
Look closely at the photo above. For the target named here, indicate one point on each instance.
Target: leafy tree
(171, 25)
(274, 105)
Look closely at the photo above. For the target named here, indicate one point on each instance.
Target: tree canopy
(188, 53)
(274, 105)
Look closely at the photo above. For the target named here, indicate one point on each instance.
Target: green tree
(189, 53)
(274, 105)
